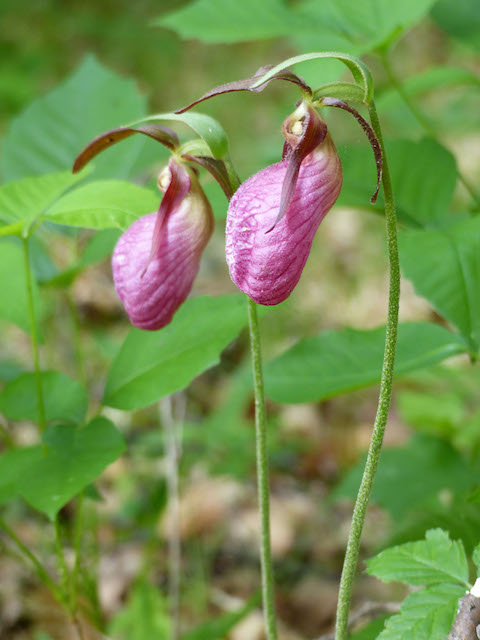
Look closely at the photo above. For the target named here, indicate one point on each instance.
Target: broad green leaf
(65, 399)
(227, 21)
(73, 457)
(461, 19)
(343, 360)
(219, 628)
(144, 617)
(13, 464)
(362, 26)
(13, 297)
(331, 24)
(425, 461)
(151, 365)
(26, 199)
(371, 630)
(435, 560)
(423, 176)
(48, 135)
(444, 268)
(427, 614)
(103, 205)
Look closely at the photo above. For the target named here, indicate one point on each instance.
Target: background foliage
(74, 70)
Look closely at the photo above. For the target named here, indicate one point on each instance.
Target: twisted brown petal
(247, 84)
(376, 146)
(156, 131)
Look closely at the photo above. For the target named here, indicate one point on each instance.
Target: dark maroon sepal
(295, 150)
(156, 131)
(217, 169)
(176, 191)
(369, 132)
(247, 84)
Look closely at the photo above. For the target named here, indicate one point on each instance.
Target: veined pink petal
(152, 295)
(267, 266)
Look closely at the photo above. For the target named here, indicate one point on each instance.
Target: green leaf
(426, 462)
(427, 614)
(424, 176)
(227, 21)
(103, 205)
(48, 135)
(343, 360)
(444, 268)
(13, 297)
(370, 23)
(49, 476)
(209, 129)
(26, 199)
(461, 19)
(65, 399)
(145, 615)
(220, 627)
(336, 24)
(151, 365)
(371, 630)
(13, 464)
(435, 560)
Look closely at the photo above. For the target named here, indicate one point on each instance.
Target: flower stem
(262, 475)
(423, 120)
(33, 328)
(373, 457)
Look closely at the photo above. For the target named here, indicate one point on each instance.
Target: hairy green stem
(33, 328)
(41, 571)
(422, 120)
(262, 475)
(373, 456)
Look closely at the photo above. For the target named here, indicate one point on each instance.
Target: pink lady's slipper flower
(156, 260)
(274, 215)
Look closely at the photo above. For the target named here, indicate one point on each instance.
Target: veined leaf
(153, 364)
(444, 267)
(339, 361)
(435, 560)
(48, 135)
(104, 204)
(427, 614)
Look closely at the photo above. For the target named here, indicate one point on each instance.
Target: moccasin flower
(274, 215)
(156, 260)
